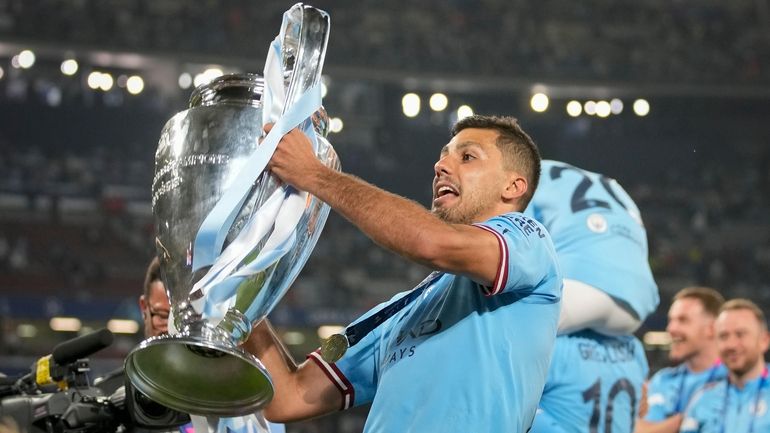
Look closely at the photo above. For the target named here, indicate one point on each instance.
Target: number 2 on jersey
(579, 201)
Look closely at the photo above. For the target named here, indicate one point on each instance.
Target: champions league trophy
(230, 237)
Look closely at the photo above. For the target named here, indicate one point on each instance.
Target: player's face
(691, 329)
(155, 310)
(469, 177)
(741, 340)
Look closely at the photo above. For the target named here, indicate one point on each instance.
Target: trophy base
(191, 375)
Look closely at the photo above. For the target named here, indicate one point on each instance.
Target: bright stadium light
(539, 102)
(68, 324)
(410, 104)
(641, 107)
(464, 111)
(135, 84)
(26, 59)
(185, 80)
(324, 90)
(293, 338)
(438, 102)
(616, 106)
(335, 125)
(69, 67)
(574, 108)
(603, 109)
(326, 331)
(106, 81)
(123, 326)
(2, 72)
(26, 330)
(94, 78)
(590, 108)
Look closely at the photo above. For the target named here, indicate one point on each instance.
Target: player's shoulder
(668, 373)
(516, 223)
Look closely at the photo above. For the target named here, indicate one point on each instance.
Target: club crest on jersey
(596, 223)
(758, 409)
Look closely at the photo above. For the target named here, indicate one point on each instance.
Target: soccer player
(608, 290)
(741, 402)
(594, 384)
(466, 351)
(602, 246)
(691, 325)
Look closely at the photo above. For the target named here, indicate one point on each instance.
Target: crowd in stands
(656, 41)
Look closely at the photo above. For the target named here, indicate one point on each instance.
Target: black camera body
(57, 397)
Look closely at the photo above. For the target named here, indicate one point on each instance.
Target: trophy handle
(304, 37)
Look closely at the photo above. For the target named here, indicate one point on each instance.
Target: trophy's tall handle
(304, 37)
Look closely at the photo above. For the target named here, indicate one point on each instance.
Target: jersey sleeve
(528, 264)
(355, 374)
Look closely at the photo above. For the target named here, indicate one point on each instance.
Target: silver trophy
(203, 155)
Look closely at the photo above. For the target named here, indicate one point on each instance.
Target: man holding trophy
(237, 213)
(469, 348)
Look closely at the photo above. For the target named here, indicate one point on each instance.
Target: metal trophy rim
(179, 349)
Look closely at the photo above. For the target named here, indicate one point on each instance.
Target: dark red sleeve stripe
(336, 377)
(501, 277)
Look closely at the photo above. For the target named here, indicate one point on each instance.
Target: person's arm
(396, 223)
(301, 391)
(669, 425)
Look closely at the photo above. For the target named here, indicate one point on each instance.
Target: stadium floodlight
(603, 109)
(464, 111)
(641, 107)
(185, 80)
(616, 106)
(94, 78)
(65, 324)
(135, 84)
(574, 108)
(106, 81)
(438, 102)
(26, 59)
(590, 108)
(410, 104)
(69, 67)
(335, 125)
(539, 102)
(123, 326)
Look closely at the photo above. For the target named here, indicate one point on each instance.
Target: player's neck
(703, 360)
(739, 380)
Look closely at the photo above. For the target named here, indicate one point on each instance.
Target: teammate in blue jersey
(740, 403)
(608, 287)
(602, 246)
(691, 326)
(468, 350)
(594, 385)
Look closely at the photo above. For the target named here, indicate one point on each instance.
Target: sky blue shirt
(594, 385)
(723, 408)
(462, 357)
(598, 233)
(671, 389)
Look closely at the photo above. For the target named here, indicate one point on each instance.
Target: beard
(467, 211)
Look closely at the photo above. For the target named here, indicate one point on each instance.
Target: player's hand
(294, 161)
(643, 406)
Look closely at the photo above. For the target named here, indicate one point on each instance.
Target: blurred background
(671, 98)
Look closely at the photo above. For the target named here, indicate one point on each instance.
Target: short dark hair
(152, 275)
(519, 150)
(745, 304)
(710, 299)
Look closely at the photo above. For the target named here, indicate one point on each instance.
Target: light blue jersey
(462, 357)
(723, 408)
(594, 385)
(598, 233)
(671, 389)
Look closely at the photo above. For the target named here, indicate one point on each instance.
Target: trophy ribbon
(284, 208)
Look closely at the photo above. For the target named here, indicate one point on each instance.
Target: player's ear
(515, 187)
